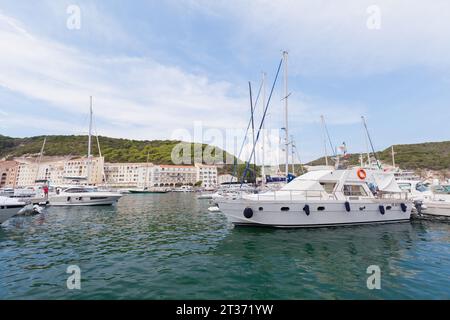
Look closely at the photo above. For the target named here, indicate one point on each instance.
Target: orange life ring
(362, 174)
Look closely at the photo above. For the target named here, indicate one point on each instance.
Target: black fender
(382, 209)
(306, 209)
(347, 206)
(404, 207)
(248, 213)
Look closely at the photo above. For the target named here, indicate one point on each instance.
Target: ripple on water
(169, 246)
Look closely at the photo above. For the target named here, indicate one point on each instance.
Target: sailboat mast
(263, 170)
(40, 159)
(324, 139)
(292, 155)
(366, 140)
(146, 171)
(393, 156)
(90, 142)
(285, 59)
(370, 141)
(253, 128)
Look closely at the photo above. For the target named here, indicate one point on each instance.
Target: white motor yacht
(184, 189)
(84, 196)
(9, 207)
(323, 198)
(431, 200)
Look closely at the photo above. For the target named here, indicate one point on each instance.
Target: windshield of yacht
(421, 187)
(441, 189)
(405, 186)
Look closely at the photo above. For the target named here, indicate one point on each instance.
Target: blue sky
(157, 66)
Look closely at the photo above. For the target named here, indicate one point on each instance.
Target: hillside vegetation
(114, 150)
(430, 155)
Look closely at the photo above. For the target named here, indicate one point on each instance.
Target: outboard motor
(418, 205)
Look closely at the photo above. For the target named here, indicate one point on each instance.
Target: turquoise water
(169, 246)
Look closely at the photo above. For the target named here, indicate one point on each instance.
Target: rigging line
(245, 137)
(262, 120)
(329, 140)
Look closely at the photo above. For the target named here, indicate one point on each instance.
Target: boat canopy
(308, 181)
(386, 182)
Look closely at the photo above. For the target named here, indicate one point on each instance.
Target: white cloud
(135, 92)
(331, 37)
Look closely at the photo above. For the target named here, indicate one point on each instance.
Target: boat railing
(393, 195)
(292, 194)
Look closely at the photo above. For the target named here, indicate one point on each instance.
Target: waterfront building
(173, 175)
(207, 174)
(79, 169)
(8, 174)
(225, 178)
(122, 174)
(60, 171)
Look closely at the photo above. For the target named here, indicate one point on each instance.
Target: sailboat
(85, 195)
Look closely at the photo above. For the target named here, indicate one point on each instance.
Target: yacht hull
(438, 209)
(71, 200)
(293, 214)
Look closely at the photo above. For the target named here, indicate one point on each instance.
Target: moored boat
(323, 198)
(9, 207)
(84, 196)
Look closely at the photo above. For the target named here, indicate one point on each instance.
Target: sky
(156, 69)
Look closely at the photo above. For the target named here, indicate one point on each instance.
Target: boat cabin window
(421, 187)
(405, 186)
(354, 190)
(328, 186)
(79, 190)
(441, 189)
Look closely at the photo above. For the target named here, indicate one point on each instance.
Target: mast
(253, 129)
(263, 170)
(146, 171)
(285, 59)
(90, 143)
(393, 156)
(292, 154)
(40, 159)
(366, 140)
(100, 155)
(324, 139)
(370, 141)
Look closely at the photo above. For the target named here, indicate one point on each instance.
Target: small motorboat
(214, 209)
(147, 190)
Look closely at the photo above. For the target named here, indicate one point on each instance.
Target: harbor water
(168, 246)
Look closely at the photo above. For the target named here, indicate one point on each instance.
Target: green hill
(430, 155)
(114, 150)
